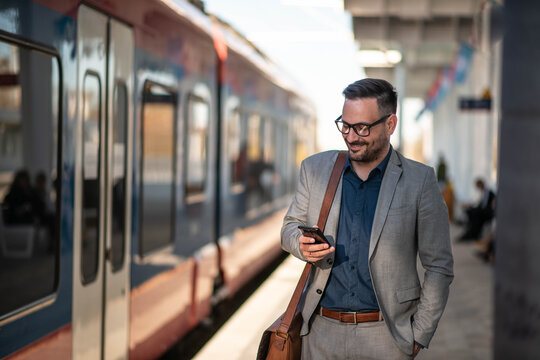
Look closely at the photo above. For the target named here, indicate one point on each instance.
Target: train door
(102, 187)
(117, 234)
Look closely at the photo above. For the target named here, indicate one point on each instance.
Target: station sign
(474, 104)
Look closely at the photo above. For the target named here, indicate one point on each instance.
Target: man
(480, 214)
(387, 209)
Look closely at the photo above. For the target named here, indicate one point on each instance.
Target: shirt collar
(382, 166)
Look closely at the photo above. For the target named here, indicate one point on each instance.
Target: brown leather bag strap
(331, 189)
(325, 210)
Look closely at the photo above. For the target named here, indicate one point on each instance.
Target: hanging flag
(462, 63)
(446, 83)
(434, 90)
(456, 73)
(439, 88)
(432, 94)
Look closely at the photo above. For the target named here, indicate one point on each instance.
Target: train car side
(163, 165)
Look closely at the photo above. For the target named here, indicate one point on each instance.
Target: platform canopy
(422, 35)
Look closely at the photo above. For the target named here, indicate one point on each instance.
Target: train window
(197, 148)
(29, 177)
(268, 176)
(236, 149)
(301, 143)
(158, 159)
(255, 189)
(119, 155)
(269, 146)
(254, 138)
(91, 189)
(280, 157)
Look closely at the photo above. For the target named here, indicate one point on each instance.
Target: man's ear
(391, 123)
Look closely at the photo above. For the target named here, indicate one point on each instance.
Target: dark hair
(379, 89)
(21, 175)
(480, 183)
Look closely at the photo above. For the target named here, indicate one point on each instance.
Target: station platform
(465, 331)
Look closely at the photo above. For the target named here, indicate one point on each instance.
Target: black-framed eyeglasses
(361, 129)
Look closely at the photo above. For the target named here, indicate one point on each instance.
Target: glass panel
(237, 150)
(159, 109)
(255, 190)
(300, 150)
(29, 236)
(254, 138)
(91, 174)
(281, 158)
(267, 175)
(268, 141)
(197, 146)
(119, 143)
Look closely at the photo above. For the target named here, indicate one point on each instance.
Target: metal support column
(517, 274)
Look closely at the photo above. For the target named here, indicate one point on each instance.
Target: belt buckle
(348, 312)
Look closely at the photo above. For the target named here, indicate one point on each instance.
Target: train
(148, 151)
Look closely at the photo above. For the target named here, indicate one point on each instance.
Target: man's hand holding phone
(313, 244)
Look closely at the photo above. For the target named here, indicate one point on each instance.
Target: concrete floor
(465, 331)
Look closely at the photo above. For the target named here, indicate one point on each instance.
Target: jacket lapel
(388, 187)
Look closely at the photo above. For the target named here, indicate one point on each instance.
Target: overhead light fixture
(378, 58)
(393, 56)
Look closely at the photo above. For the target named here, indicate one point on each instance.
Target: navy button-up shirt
(349, 286)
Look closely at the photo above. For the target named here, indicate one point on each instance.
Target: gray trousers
(331, 339)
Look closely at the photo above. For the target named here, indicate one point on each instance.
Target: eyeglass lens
(360, 129)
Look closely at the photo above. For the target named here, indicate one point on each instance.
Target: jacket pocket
(401, 210)
(409, 294)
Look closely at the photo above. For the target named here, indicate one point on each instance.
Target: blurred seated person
(486, 245)
(44, 210)
(18, 205)
(480, 214)
(43, 206)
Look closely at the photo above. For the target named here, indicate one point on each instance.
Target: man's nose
(352, 136)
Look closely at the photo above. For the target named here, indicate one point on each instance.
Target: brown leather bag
(281, 341)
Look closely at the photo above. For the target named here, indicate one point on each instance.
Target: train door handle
(108, 254)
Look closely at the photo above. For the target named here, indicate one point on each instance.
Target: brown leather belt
(348, 317)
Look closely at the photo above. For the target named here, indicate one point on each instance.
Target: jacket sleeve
(296, 215)
(435, 254)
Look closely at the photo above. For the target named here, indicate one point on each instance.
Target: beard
(368, 152)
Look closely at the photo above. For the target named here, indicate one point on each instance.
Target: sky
(311, 40)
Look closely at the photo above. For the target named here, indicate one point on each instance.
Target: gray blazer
(411, 218)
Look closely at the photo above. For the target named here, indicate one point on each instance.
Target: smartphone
(314, 233)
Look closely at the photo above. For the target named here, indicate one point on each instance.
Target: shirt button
(319, 291)
(352, 267)
(352, 294)
(357, 213)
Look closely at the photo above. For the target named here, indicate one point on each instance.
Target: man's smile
(356, 146)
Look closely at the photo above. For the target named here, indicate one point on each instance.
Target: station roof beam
(427, 33)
